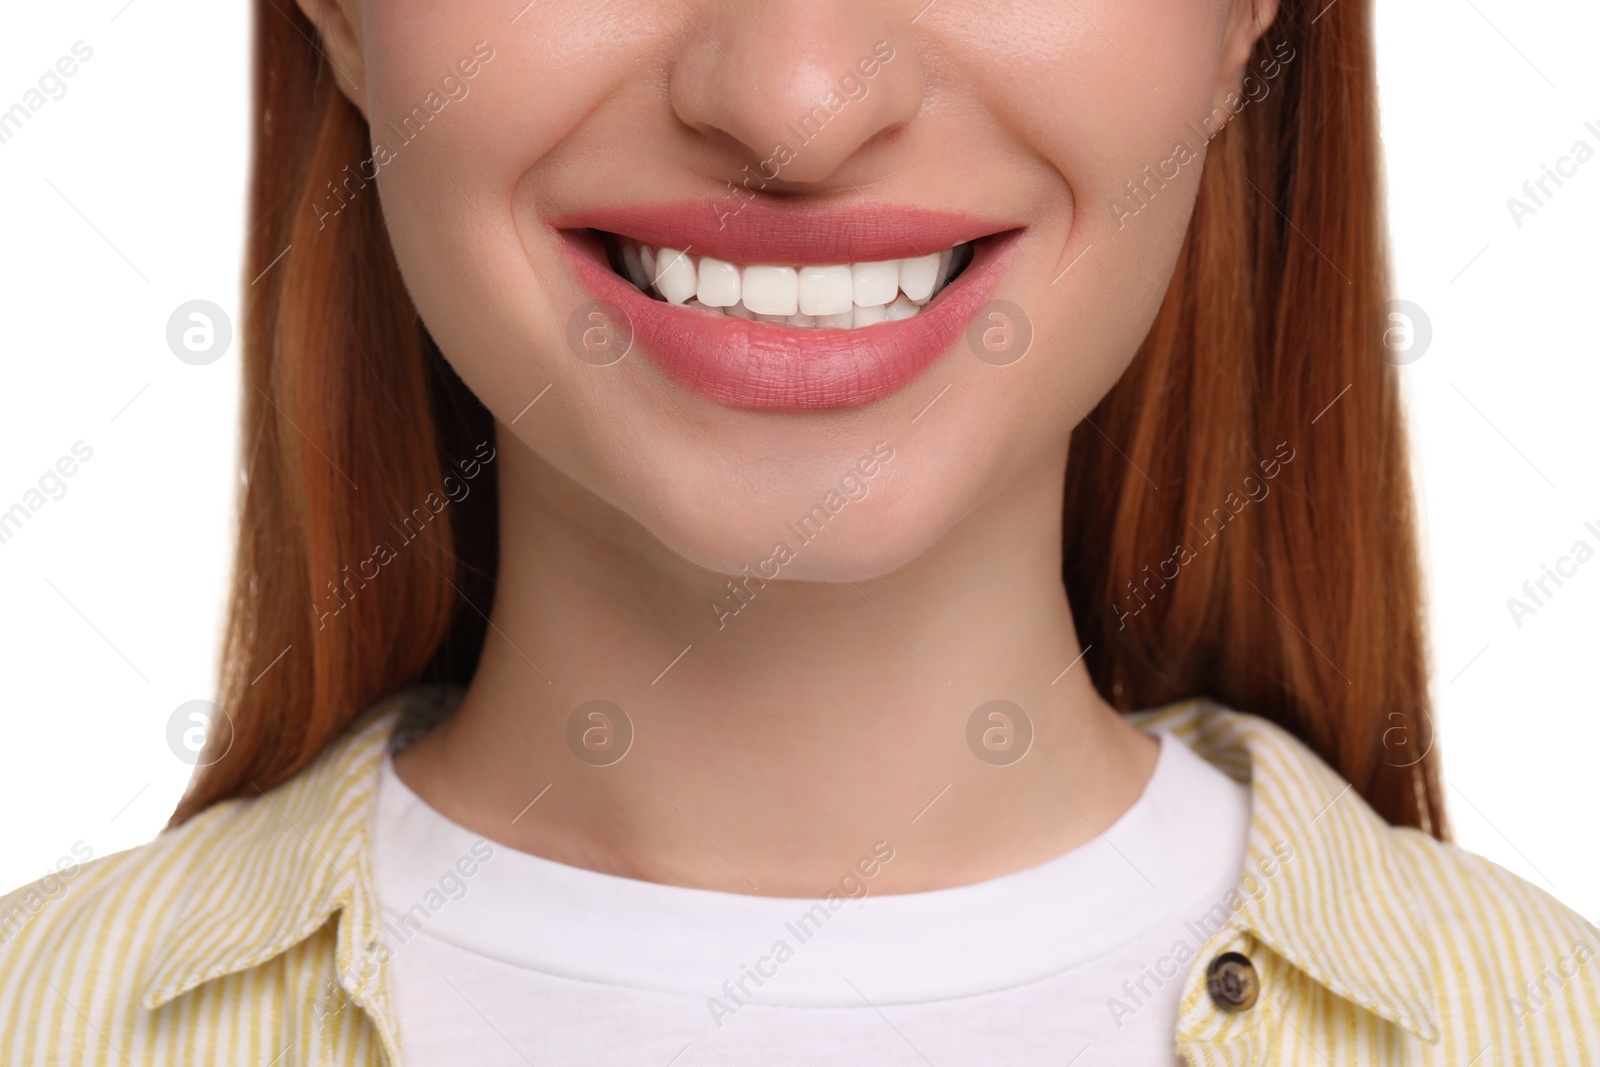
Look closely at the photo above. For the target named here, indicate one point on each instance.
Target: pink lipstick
(771, 308)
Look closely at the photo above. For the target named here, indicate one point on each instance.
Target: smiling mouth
(784, 307)
(838, 296)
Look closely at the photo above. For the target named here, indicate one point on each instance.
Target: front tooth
(917, 276)
(647, 260)
(902, 308)
(826, 290)
(635, 267)
(842, 321)
(771, 290)
(738, 311)
(802, 320)
(875, 283)
(760, 317)
(718, 283)
(871, 316)
(675, 275)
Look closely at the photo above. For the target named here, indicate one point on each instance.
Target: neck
(775, 748)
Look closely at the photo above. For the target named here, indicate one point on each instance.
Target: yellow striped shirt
(251, 935)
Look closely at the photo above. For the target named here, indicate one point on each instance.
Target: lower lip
(773, 367)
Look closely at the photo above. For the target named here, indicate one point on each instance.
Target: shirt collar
(304, 846)
(305, 843)
(1343, 879)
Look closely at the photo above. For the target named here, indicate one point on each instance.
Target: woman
(873, 532)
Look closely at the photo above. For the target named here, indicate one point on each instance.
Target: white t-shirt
(502, 957)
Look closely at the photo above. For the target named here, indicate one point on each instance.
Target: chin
(799, 538)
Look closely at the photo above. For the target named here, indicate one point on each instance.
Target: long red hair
(1302, 606)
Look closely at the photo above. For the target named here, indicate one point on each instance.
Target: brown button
(1231, 981)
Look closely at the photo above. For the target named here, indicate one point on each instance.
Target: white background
(125, 198)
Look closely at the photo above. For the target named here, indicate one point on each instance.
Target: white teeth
(837, 296)
(675, 275)
(826, 290)
(875, 283)
(718, 283)
(902, 308)
(918, 275)
(772, 290)
(870, 316)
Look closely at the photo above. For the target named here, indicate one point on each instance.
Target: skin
(833, 709)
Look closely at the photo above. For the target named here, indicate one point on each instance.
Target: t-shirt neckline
(1179, 844)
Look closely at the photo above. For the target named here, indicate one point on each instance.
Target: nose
(796, 87)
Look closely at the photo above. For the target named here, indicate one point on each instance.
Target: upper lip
(738, 231)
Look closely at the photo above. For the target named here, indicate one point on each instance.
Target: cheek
(1100, 87)
(486, 283)
(1115, 98)
(447, 189)
(1106, 92)
(1071, 81)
